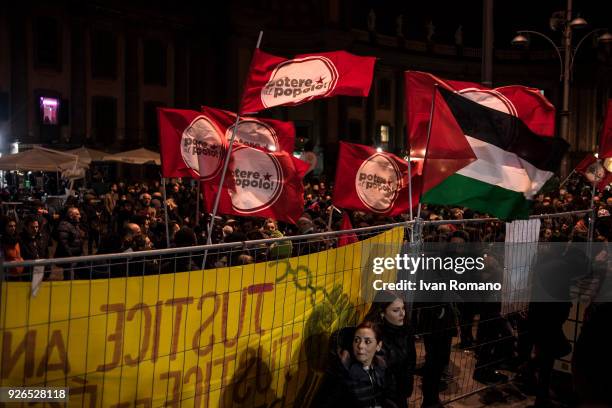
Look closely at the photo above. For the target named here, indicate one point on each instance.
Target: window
(384, 136)
(49, 110)
(103, 55)
(47, 43)
(303, 135)
(383, 92)
(354, 130)
(154, 62)
(150, 123)
(104, 118)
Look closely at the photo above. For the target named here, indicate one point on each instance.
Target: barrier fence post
(166, 212)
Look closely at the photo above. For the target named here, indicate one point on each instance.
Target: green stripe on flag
(479, 196)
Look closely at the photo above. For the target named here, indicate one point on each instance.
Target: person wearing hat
(278, 249)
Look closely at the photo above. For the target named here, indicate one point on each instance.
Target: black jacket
(33, 247)
(347, 385)
(69, 240)
(400, 355)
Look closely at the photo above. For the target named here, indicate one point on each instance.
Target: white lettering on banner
(258, 177)
(299, 80)
(202, 147)
(253, 133)
(378, 182)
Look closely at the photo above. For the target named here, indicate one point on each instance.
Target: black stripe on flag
(505, 131)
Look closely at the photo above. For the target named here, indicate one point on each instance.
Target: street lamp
(566, 61)
(521, 40)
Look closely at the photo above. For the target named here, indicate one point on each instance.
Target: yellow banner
(248, 336)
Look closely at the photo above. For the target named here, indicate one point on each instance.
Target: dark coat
(400, 355)
(347, 385)
(33, 247)
(553, 278)
(69, 240)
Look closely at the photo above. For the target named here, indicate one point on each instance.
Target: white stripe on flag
(504, 169)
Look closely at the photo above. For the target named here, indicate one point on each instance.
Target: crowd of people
(372, 364)
(131, 216)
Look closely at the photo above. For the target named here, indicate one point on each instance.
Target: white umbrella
(137, 156)
(87, 155)
(39, 160)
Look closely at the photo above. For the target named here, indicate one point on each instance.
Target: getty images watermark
(422, 263)
(490, 272)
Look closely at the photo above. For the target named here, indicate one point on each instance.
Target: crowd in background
(131, 217)
(373, 364)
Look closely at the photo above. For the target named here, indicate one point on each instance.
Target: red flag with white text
(371, 181)
(275, 81)
(261, 184)
(268, 134)
(191, 144)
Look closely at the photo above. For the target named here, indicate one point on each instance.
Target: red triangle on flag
(448, 150)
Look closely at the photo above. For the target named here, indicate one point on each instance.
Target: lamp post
(566, 62)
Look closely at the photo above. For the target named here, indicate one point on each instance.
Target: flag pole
(410, 196)
(197, 213)
(223, 173)
(431, 117)
(166, 212)
(567, 178)
(410, 185)
(592, 207)
(331, 213)
(329, 219)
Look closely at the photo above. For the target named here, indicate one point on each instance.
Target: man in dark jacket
(33, 244)
(69, 239)
(70, 236)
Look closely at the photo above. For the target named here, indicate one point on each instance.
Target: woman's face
(365, 346)
(11, 228)
(395, 313)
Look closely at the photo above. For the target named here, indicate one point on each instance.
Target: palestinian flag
(482, 154)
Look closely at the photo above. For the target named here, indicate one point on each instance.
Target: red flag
(448, 150)
(605, 142)
(594, 172)
(528, 104)
(367, 180)
(191, 144)
(269, 134)
(346, 239)
(261, 184)
(276, 81)
(585, 163)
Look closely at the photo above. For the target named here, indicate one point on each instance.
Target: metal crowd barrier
(134, 329)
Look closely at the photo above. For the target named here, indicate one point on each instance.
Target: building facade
(92, 73)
